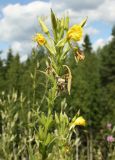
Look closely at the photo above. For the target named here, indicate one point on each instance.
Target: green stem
(34, 87)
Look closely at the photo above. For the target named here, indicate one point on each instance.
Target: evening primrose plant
(58, 46)
(54, 136)
(26, 130)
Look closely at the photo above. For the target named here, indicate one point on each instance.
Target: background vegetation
(23, 90)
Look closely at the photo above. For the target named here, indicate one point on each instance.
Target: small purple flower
(110, 139)
(109, 125)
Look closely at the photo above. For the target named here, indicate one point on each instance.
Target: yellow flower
(75, 33)
(80, 121)
(39, 38)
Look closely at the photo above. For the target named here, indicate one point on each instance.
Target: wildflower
(79, 55)
(80, 121)
(75, 33)
(39, 38)
(110, 139)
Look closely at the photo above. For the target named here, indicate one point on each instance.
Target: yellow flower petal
(80, 121)
(39, 38)
(75, 33)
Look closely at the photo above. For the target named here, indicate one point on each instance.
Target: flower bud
(66, 26)
(43, 26)
(83, 22)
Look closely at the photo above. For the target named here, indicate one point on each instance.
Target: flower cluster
(59, 46)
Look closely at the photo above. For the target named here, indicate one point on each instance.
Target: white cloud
(96, 9)
(101, 42)
(24, 58)
(22, 47)
(76, 4)
(18, 23)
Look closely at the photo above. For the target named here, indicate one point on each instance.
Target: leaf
(62, 42)
(54, 25)
(44, 73)
(43, 26)
(61, 117)
(61, 33)
(48, 139)
(66, 50)
(16, 117)
(78, 113)
(69, 78)
(56, 118)
(77, 141)
(31, 75)
(66, 118)
(54, 21)
(51, 50)
(83, 22)
(31, 155)
(66, 26)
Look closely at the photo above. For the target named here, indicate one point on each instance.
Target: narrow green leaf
(54, 25)
(54, 21)
(51, 50)
(83, 22)
(43, 26)
(69, 78)
(56, 118)
(62, 42)
(66, 26)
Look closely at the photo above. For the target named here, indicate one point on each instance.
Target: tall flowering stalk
(55, 131)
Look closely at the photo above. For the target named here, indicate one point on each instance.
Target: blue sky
(5, 2)
(104, 30)
(18, 20)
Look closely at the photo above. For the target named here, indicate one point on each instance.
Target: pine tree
(113, 32)
(87, 46)
(2, 74)
(85, 94)
(13, 72)
(9, 58)
(107, 71)
(32, 80)
(86, 83)
(2, 82)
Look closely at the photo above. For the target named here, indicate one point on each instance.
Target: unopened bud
(43, 26)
